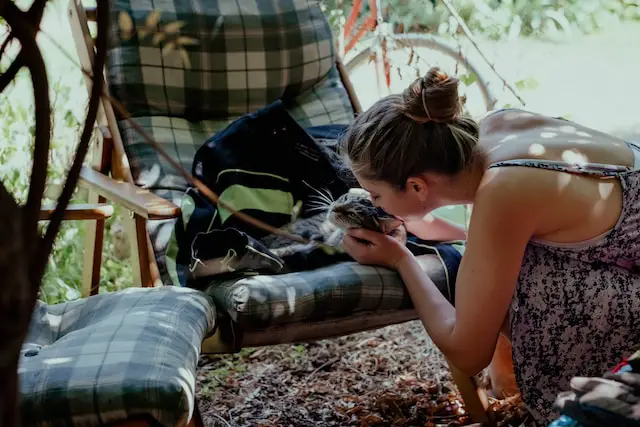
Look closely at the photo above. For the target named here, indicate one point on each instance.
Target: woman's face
(407, 204)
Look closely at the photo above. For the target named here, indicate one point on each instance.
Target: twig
(5, 44)
(471, 37)
(213, 197)
(213, 414)
(319, 368)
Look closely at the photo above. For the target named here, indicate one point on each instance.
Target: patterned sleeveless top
(576, 308)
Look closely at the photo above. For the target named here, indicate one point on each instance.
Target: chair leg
(475, 399)
(143, 251)
(135, 226)
(92, 261)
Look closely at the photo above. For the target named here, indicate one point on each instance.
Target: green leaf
(529, 83)
(468, 79)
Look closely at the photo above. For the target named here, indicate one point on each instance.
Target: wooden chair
(112, 178)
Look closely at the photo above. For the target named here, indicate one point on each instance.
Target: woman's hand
(379, 249)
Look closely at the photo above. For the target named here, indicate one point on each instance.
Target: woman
(553, 247)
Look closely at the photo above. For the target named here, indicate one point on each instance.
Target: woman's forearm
(434, 228)
(437, 314)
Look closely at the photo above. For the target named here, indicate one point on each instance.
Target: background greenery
(493, 19)
(497, 19)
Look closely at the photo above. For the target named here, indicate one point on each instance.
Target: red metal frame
(370, 24)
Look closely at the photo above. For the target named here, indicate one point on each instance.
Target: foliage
(62, 279)
(497, 19)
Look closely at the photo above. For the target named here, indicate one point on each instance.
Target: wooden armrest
(79, 211)
(142, 202)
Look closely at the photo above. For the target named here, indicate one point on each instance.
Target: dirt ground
(389, 377)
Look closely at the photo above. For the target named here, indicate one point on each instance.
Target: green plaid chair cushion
(215, 59)
(339, 290)
(325, 103)
(240, 56)
(113, 356)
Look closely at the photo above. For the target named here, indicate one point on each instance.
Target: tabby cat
(353, 209)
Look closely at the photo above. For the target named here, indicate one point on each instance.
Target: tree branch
(17, 298)
(8, 76)
(471, 37)
(5, 45)
(23, 31)
(85, 138)
(34, 16)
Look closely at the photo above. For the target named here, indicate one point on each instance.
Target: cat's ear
(389, 224)
(356, 191)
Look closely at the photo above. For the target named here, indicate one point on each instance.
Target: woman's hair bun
(432, 98)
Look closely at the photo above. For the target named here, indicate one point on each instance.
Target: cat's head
(355, 209)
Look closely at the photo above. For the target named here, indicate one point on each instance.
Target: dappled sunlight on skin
(547, 135)
(606, 189)
(536, 149)
(514, 115)
(508, 138)
(574, 157)
(567, 129)
(563, 181)
(598, 208)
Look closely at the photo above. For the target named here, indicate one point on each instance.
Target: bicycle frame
(371, 24)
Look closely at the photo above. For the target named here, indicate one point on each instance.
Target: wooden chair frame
(110, 178)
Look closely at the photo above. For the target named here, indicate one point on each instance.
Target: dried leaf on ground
(389, 377)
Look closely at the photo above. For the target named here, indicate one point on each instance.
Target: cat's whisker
(321, 194)
(329, 195)
(323, 197)
(318, 199)
(318, 205)
(318, 208)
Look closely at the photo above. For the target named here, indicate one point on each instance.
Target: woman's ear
(417, 186)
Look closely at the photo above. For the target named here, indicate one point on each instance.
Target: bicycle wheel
(428, 50)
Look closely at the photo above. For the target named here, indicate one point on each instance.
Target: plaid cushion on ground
(112, 356)
(338, 290)
(222, 59)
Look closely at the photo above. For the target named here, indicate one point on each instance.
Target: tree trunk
(16, 303)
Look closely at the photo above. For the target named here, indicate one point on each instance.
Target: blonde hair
(421, 130)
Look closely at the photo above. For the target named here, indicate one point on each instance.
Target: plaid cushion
(335, 291)
(227, 59)
(325, 103)
(247, 54)
(112, 356)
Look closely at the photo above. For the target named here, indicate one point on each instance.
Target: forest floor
(393, 376)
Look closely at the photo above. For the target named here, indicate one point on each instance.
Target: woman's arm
(503, 221)
(433, 228)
